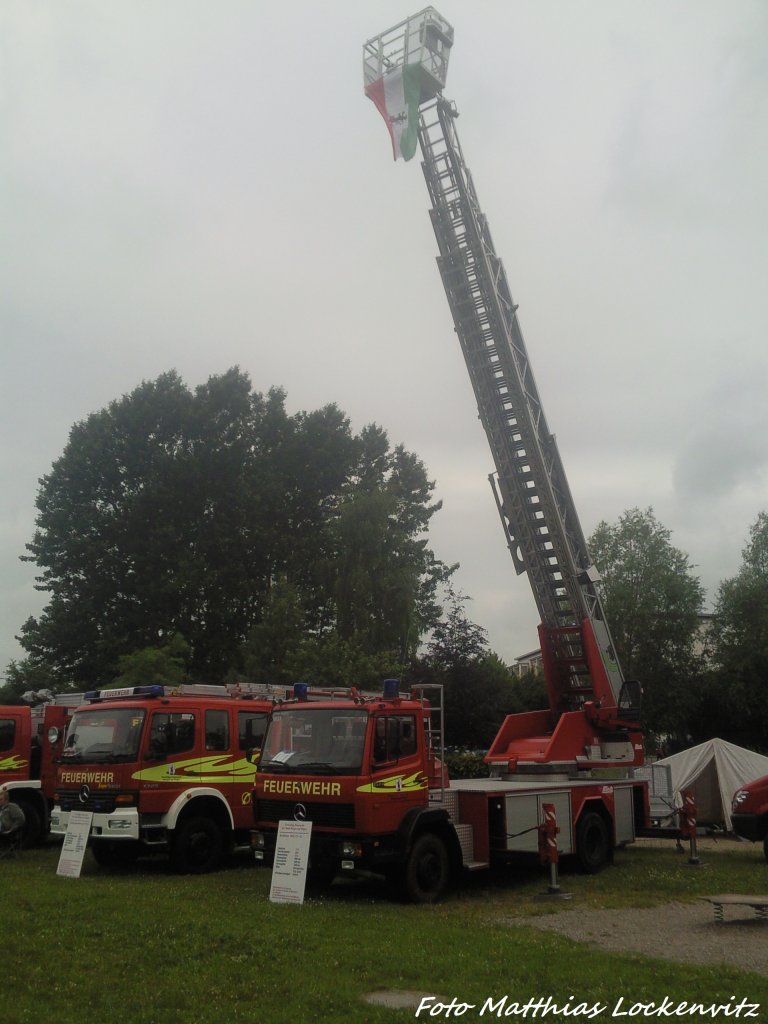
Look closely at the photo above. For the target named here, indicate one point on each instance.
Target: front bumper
(120, 824)
(749, 826)
(347, 854)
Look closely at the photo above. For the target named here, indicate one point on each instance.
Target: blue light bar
(391, 689)
(300, 691)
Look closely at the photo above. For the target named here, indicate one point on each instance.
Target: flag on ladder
(397, 96)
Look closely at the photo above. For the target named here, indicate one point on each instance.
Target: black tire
(115, 853)
(593, 843)
(427, 870)
(197, 847)
(34, 825)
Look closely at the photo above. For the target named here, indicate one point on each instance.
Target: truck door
(15, 744)
(398, 780)
(172, 755)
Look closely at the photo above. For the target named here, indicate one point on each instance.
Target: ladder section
(543, 532)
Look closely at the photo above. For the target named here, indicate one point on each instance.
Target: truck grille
(325, 815)
(99, 803)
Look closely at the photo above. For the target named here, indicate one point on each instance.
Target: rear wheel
(427, 871)
(593, 843)
(198, 846)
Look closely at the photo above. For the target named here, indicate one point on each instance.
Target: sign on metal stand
(75, 842)
(289, 873)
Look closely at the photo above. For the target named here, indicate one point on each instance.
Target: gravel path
(679, 931)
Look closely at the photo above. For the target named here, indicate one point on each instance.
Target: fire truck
(367, 772)
(162, 770)
(31, 739)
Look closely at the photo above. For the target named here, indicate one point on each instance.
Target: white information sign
(75, 842)
(289, 874)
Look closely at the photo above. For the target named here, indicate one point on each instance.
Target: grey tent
(714, 771)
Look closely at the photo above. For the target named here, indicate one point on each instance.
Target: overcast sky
(192, 185)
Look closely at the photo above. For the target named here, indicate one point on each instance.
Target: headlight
(53, 734)
(739, 798)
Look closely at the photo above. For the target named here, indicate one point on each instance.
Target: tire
(34, 826)
(115, 853)
(593, 843)
(427, 870)
(197, 846)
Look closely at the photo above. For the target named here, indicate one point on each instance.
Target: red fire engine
(386, 805)
(367, 772)
(167, 770)
(30, 740)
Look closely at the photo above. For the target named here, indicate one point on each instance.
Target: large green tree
(652, 602)
(478, 688)
(175, 511)
(734, 705)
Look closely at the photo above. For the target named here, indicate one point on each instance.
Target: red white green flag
(397, 96)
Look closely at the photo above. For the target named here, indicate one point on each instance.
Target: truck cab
(749, 812)
(30, 741)
(168, 770)
(361, 769)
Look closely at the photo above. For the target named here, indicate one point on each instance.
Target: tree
(179, 512)
(652, 602)
(734, 699)
(163, 666)
(478, 690)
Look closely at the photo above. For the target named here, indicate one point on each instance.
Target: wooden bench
(758, 903)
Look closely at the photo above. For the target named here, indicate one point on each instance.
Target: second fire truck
(162, 770)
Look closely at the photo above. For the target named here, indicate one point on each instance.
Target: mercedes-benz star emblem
(84, 795)
(299, 812)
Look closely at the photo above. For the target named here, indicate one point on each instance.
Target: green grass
(150, 947)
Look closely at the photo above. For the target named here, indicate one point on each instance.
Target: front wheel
(197, 847)
(34, 826)
(593, 843)
(427, 871)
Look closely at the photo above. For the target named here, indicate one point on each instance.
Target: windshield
(104, 734)
(306, 740)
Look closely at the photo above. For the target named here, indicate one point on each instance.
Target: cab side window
(7, 733)
(395, 737)
(217, 729)
(171, 733)
(251, 728)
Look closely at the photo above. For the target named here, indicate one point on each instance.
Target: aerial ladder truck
(592, 718)
(385, 804)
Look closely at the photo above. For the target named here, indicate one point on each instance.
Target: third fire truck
(31, 738)
(367, 772)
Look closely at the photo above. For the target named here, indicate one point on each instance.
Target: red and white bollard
(548, 852)
(688, 824)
